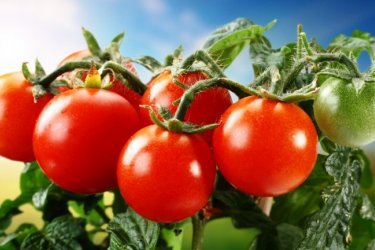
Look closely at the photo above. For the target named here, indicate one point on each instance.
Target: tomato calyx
(173, 124)
(107, 60)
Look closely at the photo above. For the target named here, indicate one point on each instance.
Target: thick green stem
(188, 97)
(198, 229)
(318, 58)
(261, 78)
(341, 58)
(133, 81)
(48, 79)
(306, 44)
(186, 64)
(293, 73)
(299, 41)
(204, 57)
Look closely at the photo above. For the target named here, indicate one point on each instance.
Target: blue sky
(50, 29)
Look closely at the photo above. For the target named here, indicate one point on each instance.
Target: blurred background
(51, 29)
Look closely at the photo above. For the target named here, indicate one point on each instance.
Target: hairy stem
(48, 79)
(203, 56)
(306, 44)
(198, 229)
(299, 41)
(318, 58)
(134, 82)
(188, 97)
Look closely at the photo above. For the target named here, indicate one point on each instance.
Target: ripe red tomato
(78, 138)
(117, 87)
(18, 114)
(264, 147)
(166, 176)
(206, 108)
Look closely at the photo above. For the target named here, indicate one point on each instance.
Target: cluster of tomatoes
(91, 140)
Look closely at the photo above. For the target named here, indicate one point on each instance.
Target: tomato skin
(264, 147)
(345, 116)
(206, 108)
(75, 56)
(117, 87)
(18, 114)
(78, 138)
(166, 176)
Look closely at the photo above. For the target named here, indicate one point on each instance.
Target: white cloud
(44, 29)
(154, 7)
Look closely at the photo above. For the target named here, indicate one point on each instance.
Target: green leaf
(329, 228)
(92, 43)
(263, 56)
(16, 238)
(32, 179)
(39, 71)
(355, 44)
(26, 72)
(150, 63)
(285, 237)
(39, 198)
(241, 208)
(294, 207)
(10, 208)
(62, 233)
(132, 232)
(289, 236)
(226, 43)
(35, 241)
(117, 40)
(65, 228)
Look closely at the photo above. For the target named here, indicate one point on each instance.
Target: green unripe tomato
(346, 113)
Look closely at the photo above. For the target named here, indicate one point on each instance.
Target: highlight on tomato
(265, 147)
(18, 114)
(166, 176)
(78, 138)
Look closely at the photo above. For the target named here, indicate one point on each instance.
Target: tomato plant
(117, 86)
(206, 107)
(265, 148)
(159, 178)
(345, 112)
(158, 183)
(18, 114)
(79, 135)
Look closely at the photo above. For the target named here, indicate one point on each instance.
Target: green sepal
(92, 43)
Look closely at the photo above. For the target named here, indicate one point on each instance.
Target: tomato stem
(261, 78)
(198, 229)
(132, 81)
(299, 41)
(341, 58)
(48, 79)
(306, 44)
(318, 58)
(202, 56)
(188, 97)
